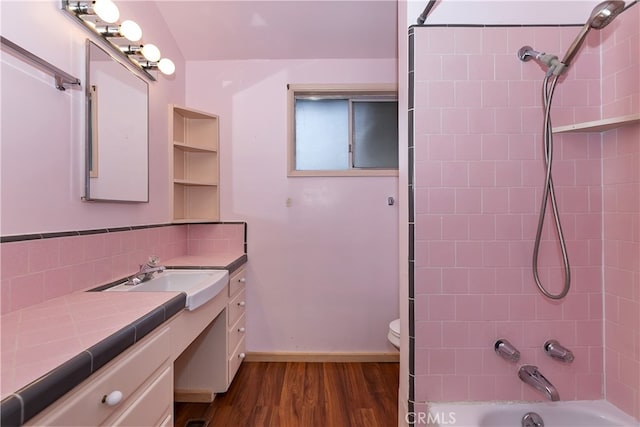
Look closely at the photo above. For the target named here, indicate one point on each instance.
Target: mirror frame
(92, 165)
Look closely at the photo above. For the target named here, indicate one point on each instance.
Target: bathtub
(596, 413)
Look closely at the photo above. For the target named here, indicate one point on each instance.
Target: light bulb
(166, 66)
(106, 10)
(151, 52)
(130, 30)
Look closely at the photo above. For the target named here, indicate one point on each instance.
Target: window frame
(339, 91)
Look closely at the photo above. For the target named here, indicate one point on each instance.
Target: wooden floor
(298, 394)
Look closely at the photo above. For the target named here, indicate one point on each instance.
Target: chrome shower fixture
(601, 16)
(555, 350)
(506, 350)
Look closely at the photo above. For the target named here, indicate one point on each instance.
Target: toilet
(394, 333)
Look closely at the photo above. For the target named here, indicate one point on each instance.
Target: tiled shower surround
(39, 269)
(476, 186)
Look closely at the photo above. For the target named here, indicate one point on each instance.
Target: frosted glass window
(375, 135)
(342, 131)
(322, 134)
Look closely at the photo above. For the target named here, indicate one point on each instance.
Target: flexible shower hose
(548, 87)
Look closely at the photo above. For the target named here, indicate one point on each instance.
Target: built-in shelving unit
(599, 125)
(195, 165)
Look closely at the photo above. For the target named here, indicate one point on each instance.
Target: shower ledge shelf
(599, 125)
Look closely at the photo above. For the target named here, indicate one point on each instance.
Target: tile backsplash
(38, 268)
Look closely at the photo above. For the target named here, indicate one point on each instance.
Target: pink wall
(478, 182)
(323, 273)
(621, 199)
(43, 129)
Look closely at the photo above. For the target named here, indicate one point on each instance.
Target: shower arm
(555, 66)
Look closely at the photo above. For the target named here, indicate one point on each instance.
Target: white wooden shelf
(190, 148)
(194, 182)
(599, 125)
(194, 165)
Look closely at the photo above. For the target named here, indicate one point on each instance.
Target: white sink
(199, 285)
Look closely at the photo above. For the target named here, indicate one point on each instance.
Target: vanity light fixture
(165, 65)
(128, 29)
(106, 10)
(101, 18)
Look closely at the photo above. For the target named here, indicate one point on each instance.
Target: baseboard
(322, 357)
(197, 396)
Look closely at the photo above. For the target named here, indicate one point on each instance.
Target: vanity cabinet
(194, 165)
(189, 358)
(209, 363)
(143, 375)
(236, 320)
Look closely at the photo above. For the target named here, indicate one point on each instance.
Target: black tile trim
(414, 26)
(36, 236)
(411, 218)
(411, 409)
(11, 411)
(174, 306)
(148, 322)
(107, 349)
(21, 237)
(34, 397)
(48, 388)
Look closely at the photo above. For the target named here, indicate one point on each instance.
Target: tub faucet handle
(506, 350)
(557, 351)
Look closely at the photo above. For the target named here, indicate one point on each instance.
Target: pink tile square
(468, 201)
(495, 93)
(482, 227)
(468, 308)
(441, 307)
(455, 227)
(455, 334)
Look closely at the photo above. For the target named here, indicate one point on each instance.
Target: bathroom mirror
(117, 146)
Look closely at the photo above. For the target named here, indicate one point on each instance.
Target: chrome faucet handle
(506, 350)
(557, 351)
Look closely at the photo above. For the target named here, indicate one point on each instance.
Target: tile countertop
(37, 340)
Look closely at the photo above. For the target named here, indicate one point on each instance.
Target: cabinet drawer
(152, 406)
(236, 332)
(83, 406)
(236, 282)
(236, 359)
(236, 307)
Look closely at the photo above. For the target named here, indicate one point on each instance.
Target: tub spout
(530, 375)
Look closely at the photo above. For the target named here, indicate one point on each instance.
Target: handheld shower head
(600, 17)
(604, 13)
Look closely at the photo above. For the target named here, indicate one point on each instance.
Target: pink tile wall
(33, 271)
(621, 191)
(207, 239)
(620, 66)
(478, 183)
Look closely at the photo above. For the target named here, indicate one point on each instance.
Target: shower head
(601, 16)
(604, 13)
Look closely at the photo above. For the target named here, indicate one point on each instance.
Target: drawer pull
(242, 280)
(241, 329)
(241, 355)
(242, 304)
(113, 398)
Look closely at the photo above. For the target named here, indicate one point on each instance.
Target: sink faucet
(146, 271)
(530, 375)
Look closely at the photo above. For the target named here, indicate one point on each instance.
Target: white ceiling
(300, 29)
